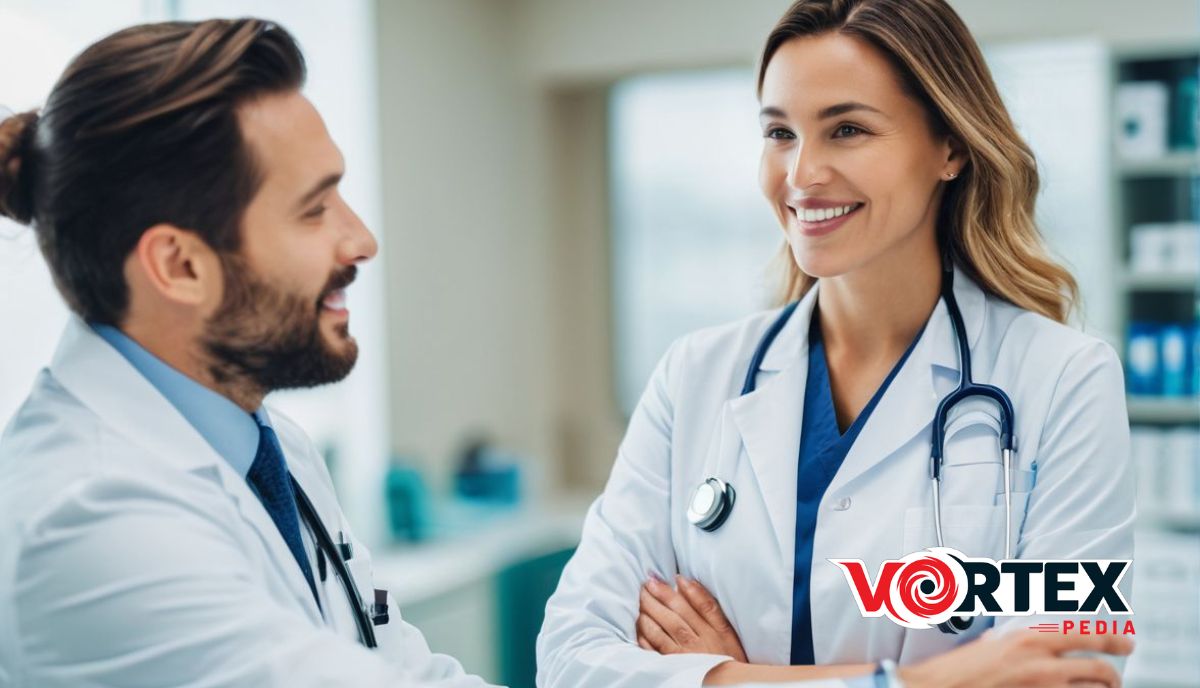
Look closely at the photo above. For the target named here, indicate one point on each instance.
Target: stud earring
(951, 175)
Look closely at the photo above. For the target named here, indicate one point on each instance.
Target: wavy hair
(986, 219)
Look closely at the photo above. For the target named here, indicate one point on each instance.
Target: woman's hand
(684, 620)
(1021, 658)
(689, 620)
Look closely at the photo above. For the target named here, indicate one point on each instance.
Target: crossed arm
(687, 619)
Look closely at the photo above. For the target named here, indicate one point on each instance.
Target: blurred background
(562, 187)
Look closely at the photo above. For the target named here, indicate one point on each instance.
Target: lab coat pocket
(974, 530)
(972, 437)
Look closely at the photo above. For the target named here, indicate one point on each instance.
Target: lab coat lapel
(768, 420)
(907, 406)
(104, 381)
(253, 512)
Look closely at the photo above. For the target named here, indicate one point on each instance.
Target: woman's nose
(807, 167)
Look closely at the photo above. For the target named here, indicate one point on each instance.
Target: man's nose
(359, 244)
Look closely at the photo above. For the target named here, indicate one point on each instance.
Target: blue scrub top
(823, 447)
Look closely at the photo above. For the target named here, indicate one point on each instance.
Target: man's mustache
(339, 280)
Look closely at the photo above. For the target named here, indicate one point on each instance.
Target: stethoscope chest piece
(710, 504)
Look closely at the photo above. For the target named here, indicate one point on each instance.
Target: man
(185, 195)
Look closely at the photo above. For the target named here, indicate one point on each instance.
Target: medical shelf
(1143, 409)
(1182, 521)
(1163, 189)
(1171, 165)
(1161, 281)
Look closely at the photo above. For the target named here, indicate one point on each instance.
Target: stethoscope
(337, 554)
(712, 501)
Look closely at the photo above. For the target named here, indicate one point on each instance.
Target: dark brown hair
(142, 129)
(986, 219)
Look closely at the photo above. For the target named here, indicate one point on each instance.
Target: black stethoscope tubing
(366, 627)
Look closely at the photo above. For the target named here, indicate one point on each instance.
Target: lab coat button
(842, 504)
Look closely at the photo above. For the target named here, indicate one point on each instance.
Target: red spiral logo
(925, 590)
(919, 591)
(927, 587)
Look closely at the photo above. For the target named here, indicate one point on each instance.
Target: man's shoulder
(51, 440)
(56, 451)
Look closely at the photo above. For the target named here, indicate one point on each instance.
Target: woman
(887, 154)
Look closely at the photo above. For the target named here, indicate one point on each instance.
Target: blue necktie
(270, 478)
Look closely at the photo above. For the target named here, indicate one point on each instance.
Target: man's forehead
(288, 136)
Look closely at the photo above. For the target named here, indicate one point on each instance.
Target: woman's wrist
(734, 672)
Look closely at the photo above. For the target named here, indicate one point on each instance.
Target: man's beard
(269, 339)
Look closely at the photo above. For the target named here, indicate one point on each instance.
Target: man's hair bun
(16, 137)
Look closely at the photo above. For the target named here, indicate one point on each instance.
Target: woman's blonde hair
(986, 219)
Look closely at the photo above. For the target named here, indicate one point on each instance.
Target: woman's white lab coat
(1073, 489)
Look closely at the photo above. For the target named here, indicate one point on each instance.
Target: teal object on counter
(522, 591)
(407, 503)
(500, 484)
(487, 475)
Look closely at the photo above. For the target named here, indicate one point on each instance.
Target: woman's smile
(815, 220)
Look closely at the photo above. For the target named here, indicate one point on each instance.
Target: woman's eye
(847, 131)
(315, 212)
(779, 133)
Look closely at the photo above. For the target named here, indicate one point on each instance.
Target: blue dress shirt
(223, 424)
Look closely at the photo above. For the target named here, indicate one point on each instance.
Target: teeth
(336, 300)
(821, 214)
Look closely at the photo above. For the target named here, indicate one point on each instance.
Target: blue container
(499, 484)
(1173, 341)
(1195, 389)
(1143, 360)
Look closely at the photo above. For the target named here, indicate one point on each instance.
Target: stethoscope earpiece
(711, 504)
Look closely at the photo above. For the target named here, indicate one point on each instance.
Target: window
(692, 235)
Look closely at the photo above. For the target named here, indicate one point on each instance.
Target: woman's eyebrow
(843, 108)
(825, 113)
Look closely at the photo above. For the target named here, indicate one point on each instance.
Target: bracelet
(886, 675)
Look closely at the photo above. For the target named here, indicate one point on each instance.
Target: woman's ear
(956, 157)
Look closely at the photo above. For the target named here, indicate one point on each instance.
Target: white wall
(576, 40)
(467, 242)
